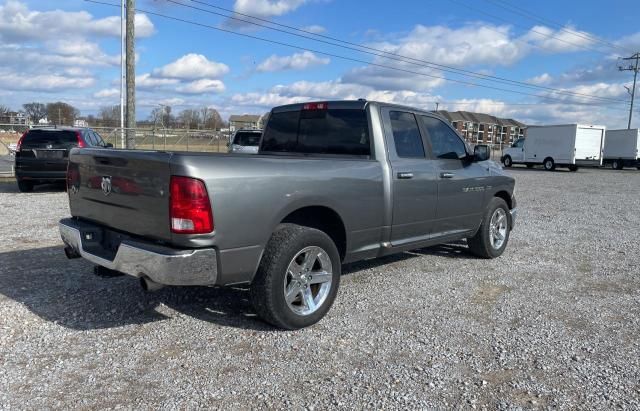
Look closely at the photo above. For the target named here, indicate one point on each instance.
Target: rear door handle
(405, 175)
(446, 175)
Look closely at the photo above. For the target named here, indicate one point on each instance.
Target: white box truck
(622, 149)
(569, 145)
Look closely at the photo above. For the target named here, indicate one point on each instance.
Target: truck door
(414, 184)
(516, 151)
(461, 183)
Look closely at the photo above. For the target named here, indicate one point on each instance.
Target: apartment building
(485, 128)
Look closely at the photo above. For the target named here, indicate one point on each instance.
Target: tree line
(109, 116)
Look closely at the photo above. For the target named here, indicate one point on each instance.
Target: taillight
(73, 177)
(80, 140)
(189, 206)
(20, 142)
(315, 106)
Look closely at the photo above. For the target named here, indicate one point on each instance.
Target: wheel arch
(321, 218)
(506, 197)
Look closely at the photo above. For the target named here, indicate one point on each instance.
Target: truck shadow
(67, 293)
(12, 187)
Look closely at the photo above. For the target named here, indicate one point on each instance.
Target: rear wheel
(617, 165)
(529, 165)
(493, 235)
(507, 161)
(549, 164)
(298, 277)
(573, 167)
(25, 186)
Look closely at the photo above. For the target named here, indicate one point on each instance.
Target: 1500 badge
(475, 189)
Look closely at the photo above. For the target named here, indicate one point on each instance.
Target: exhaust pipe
(71, 253)
(149, 285)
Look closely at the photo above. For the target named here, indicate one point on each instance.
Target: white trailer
(569, 145)
(622, 148)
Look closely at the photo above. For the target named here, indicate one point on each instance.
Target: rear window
(338, 131)
(44, 138)
(247, 139)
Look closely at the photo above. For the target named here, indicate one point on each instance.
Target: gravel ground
(552, 323)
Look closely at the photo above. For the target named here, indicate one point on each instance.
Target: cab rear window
(247, 139)
(56, 139)
(331, 131)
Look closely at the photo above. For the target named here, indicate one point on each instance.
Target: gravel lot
(553, 323)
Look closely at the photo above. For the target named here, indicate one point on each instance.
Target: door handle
(446, 175)
(405, 175)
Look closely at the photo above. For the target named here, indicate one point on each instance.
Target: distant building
(14, 118)
(80, 122)
(485, 128)
(244, 121)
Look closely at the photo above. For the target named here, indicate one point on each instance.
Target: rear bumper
(161, 264)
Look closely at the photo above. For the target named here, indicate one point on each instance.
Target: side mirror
(108, 145)
(481, 152)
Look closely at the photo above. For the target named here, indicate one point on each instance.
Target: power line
(386, 54)
(525, 13)
(550, 36)
(348, 58)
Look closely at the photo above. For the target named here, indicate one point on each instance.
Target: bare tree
(189, 118)
(109, 116)
(211, 119)
(36, 111)
(62, 113)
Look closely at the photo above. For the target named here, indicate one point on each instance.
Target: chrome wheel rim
(308, 280)
(498, 228)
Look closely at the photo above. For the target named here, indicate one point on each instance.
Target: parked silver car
(245, 141)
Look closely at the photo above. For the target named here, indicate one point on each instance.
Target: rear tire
(617, 165)
(549, 164)
(573, 167)
(288, 290)
(529, 165)
(25, 186)
(495, 226)
(507, 161)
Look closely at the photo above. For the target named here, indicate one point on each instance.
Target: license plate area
(49, 154)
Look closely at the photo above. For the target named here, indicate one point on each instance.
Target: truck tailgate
(124, 190)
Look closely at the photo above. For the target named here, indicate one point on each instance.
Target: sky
(543, 62)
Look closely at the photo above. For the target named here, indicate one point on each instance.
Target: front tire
(298, 277)
(25, 186)
(493, 235)
(507, 161)
(549, 164)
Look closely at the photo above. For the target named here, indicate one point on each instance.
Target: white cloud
(297, 61)
(107, 93)
(202, 86)
(192, 66)
(147, 81)
(18, 23)
(381, 78)
(266, 8)
(315, 28)
(558, 41)
(43, 82)
(542, 79)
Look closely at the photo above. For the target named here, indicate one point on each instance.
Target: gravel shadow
(67, 293)
(12, 187)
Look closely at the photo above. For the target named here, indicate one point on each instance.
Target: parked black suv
(42, 153)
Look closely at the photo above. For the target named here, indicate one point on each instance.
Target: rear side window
(406, 134)
(46, 138)
(331, 131)
(247, 139)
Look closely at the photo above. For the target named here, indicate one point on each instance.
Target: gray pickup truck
(333, 183)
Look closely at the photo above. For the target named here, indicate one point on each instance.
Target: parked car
(570, 145)
(333, 182)
(42, 154)
(622, 149)
(245, 141)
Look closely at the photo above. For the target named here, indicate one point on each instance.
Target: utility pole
(123, 77)
(131, 74)
(437, 104)
(633, 68)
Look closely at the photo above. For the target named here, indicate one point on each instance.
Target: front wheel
(25, 186)
(573, 167)
(507, 161)
(298, 277)
(493, 235)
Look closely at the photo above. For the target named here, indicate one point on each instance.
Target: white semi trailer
(622, 149)
(569, 145)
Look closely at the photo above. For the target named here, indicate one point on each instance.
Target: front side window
(519, 143)
(406, 134)
(445, 142)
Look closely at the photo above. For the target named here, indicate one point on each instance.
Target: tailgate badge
(106, 185)
(49, 145)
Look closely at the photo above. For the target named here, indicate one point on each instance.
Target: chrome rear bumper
(161, 264)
